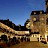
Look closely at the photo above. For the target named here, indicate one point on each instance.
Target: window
(42, 23)
(41, 18)
(34, 12)
(40, 12)
(33, 35)
(34, 19)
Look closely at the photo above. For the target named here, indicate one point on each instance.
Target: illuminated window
(34, 19)
(41, 18)
(40, 12)
(26, 32)
(34, 12)
(42, 23)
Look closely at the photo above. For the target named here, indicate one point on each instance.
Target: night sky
(18, 11)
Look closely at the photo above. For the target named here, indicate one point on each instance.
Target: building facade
(39, 22)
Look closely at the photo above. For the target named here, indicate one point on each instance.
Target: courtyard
(30, 45)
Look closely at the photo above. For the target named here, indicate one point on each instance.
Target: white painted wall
(34, 37)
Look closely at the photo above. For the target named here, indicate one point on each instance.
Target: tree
(27, 24)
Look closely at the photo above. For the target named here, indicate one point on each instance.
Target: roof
(21, 28)
(34, 33)
(37, 12)
(13, 26)
(8, 23)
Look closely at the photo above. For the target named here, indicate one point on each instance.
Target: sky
(18, 11)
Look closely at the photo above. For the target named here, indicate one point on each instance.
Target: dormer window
(34, 12)
(40, 12)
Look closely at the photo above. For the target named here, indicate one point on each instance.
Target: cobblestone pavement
(30, 45)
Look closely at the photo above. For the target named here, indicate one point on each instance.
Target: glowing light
(34, 19)
(34, 12)
(46, 31)
(40, 12)
(32, 25)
